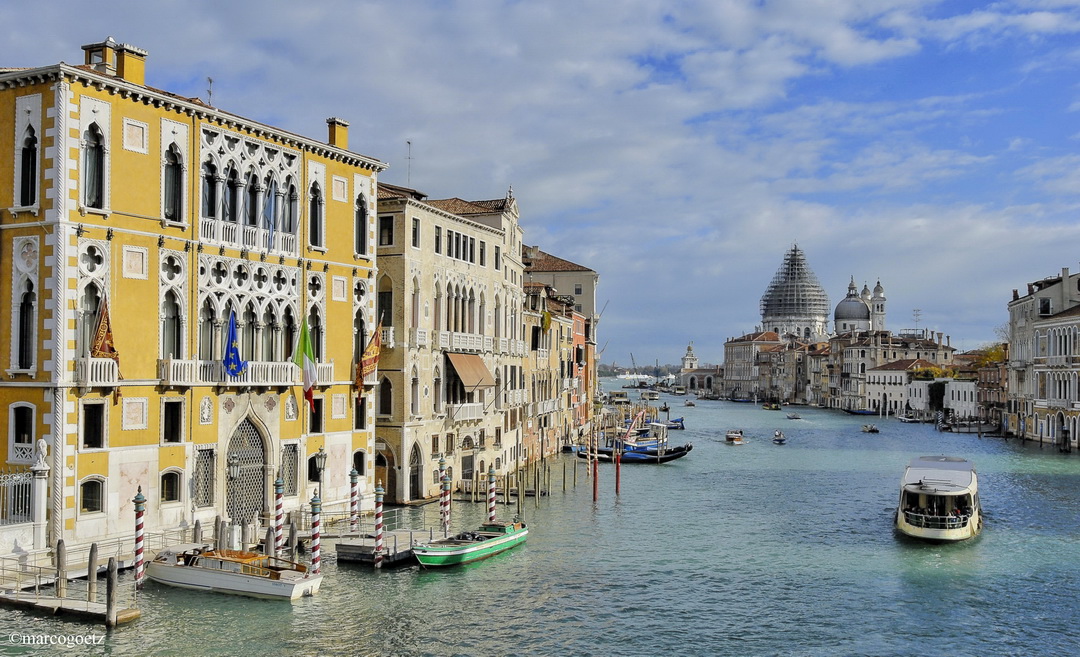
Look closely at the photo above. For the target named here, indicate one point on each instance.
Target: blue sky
(677, 148)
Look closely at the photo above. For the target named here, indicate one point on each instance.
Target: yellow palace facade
(166, 225)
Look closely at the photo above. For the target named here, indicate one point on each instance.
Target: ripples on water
(756, 549)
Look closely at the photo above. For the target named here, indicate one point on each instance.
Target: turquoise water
(756, 549)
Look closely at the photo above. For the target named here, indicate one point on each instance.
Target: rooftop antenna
(917, 313)
(408, 160)
(210, 91)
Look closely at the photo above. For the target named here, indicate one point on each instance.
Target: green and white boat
(492, 538)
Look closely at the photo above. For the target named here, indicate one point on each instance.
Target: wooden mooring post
(111, 583)
(91, 573)
(61, 569)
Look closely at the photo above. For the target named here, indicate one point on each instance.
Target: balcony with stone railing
(175, 372)
(387, 337)
(419, 337)
(462, 412)
(90, 372)
(255, 238)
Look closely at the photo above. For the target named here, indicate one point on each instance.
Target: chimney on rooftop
(339, 132)
(120, 59)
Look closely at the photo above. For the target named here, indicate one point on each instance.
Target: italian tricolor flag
(304, 357)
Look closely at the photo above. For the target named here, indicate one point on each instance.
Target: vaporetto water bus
(939, 499)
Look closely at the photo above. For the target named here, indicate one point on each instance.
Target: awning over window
(472, 371)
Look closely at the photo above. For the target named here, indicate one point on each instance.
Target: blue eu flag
(233, 364)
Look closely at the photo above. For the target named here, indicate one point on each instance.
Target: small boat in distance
(939, 499)
(907, 418)
(771, 406)
(678, 390)
(689, 402)
(778, 437)
(734, 437)
(870, 428)
(794, 416)
(490, 539)
(256, 575)
(650, 395)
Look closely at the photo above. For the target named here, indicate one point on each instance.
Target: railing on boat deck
(926, 521)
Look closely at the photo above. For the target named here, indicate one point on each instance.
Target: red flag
(369, 361)
(102, 345)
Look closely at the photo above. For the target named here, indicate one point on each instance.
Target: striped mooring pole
(279, 514)
(491, 494)
(446, 504)
(316, 556)
(378, 525)
(140, 512)
(354, 499)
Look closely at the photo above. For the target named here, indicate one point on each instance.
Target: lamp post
(234, 467)
(320, 465)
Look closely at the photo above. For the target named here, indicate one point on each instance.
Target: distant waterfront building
(795, 303)
(693, 377)
(1044, 347)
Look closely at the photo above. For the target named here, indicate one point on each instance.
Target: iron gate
(246, 492)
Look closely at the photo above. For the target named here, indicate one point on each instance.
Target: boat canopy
(939, 475)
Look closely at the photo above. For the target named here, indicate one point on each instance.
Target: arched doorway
(246, 487)
(385, 473)
(416, 473)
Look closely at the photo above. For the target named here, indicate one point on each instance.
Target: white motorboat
(734, 437)
(197, 566)
(907, 418)
(939, 499)
(778, 437)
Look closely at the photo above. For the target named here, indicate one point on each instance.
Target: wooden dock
(397, 546)
(53, 606)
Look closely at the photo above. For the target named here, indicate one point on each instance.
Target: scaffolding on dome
(794, 291)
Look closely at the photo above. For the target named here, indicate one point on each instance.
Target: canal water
(757, 549)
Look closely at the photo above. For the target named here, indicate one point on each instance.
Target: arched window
(247, 333)
(171, 338)
(92, 496)
(414, 394)
(315, 236)
(251, 201)
(21, 429)
(414, 305)
(315, 329)
(361, 226)
(170, 486)
(28, 168)
(359, 336)
(232, 195)
(209, 190)
(385, 301)
(27, 305)
(266, 336)
(91, 301)
(288, 211)
(289, 338)
(206, 331)
(270, 211)
(437, 392)
(359, 460)
(94, 168)
(172, 185)
(386, 397)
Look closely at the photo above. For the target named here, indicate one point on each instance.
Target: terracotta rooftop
(536, 260)
(460, 207)
(903, 365)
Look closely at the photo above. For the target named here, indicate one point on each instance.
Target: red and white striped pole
(140, 512)
(354, 499)
(442, 491)
(279, 514)
(491, 494)
(316, 552)
(446, 504)
(378, 525)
